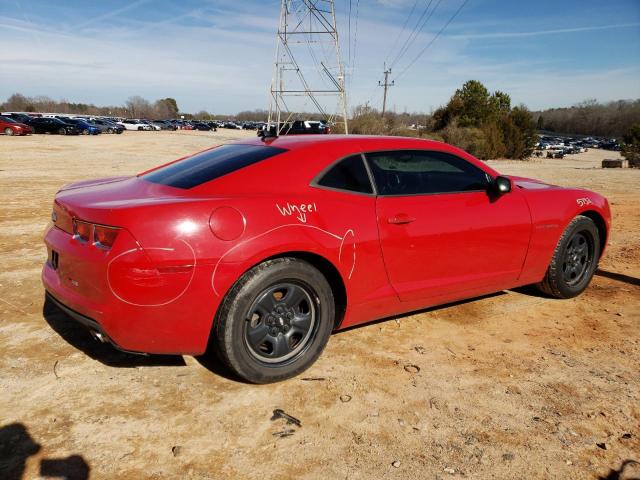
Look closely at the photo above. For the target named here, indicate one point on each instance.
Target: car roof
(298, 142)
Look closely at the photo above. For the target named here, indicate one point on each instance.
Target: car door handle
(401, 219)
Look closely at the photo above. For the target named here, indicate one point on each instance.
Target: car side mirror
(500, 185)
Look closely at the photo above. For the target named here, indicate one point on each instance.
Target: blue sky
(218, 54)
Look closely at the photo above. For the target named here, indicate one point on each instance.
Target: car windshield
(209, 165)
(8, 120)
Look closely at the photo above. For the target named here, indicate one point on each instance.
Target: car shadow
(417, 312)
(530, 291)
(78, 337)
(17, 445)
(215, 365)
(620, 277)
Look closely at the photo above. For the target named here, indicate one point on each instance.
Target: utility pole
(386, 85)
(307, 29)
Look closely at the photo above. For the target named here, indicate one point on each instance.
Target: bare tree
(139, 107)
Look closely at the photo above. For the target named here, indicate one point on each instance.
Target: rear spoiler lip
(92, 183)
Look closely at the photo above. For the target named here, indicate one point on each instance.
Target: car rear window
(349, 174)
(206, 166)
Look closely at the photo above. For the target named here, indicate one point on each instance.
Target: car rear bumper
(94, 327)
(95, 290)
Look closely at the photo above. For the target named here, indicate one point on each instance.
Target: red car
(262, 248)
(10, 127)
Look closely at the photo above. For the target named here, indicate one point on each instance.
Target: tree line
(134, 107)
(612, 119)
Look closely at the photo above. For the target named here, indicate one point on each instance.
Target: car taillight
(104, 236)
(82, 230)
(100, 235)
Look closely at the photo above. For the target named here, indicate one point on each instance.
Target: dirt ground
(512, 385)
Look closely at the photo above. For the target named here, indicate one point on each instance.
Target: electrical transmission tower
(308, 63)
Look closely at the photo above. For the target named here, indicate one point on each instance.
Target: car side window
(415, 172)
(349, 174)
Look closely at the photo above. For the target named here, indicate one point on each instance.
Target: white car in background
(135, 124)
(153, 126)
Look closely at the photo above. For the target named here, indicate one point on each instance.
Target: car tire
(574, 260)
(275, 321)
(85, 131)
(109, 130)
(8, 131)
(62, 131)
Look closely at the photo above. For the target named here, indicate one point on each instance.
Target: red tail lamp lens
(82, 230)
(105, 236)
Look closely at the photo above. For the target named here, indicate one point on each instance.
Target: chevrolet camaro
(258, 250)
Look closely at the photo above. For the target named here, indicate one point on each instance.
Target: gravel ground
(512, 385)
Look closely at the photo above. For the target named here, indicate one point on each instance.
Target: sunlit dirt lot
(512, 385)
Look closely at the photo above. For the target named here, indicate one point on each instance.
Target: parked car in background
(182, 125)
(135, 124)
(84, 126)
(19, 117)
(164, 124)
(153, 125)
(610, 144)
(298, 127)
(9, 127)
(106, 126)
(53, 125)
(202, 126)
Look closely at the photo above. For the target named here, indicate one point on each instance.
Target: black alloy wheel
(578, 256)
(275, 320)
(574, 261)
(280, 322)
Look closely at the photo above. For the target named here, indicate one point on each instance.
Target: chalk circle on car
(145, 278)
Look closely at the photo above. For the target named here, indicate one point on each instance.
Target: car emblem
(54, 216)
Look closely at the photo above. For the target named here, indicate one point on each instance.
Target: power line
(352, 61)
(404, 27)
(349, 34)
(433, 39)
(419, 26)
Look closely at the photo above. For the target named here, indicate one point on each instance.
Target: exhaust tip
(99, 336)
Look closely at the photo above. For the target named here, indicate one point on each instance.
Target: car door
(441, 232)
